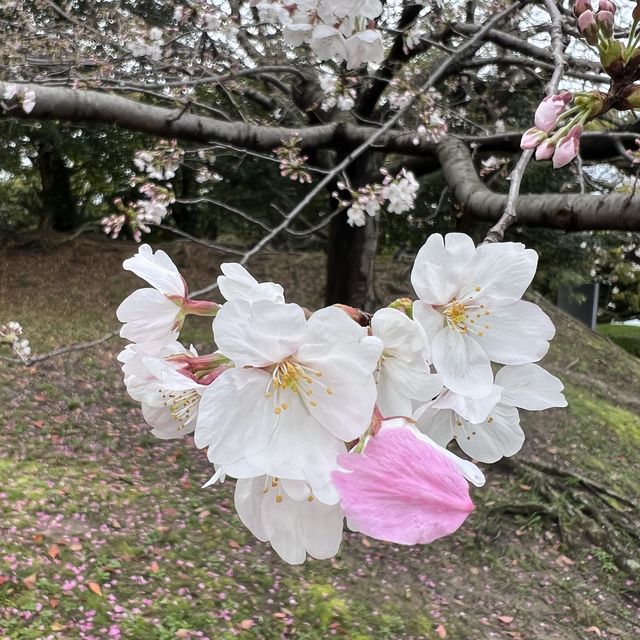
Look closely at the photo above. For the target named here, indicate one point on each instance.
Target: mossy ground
(105, 532)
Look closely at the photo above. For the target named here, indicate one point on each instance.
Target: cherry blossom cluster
(339, 414)
(397, 194)
(292, 161)
(558, 125)
(138, 215)
(11, 334)
(339, 92)
(161, 162)
(596, 27)
(340, 30)
(148, 44)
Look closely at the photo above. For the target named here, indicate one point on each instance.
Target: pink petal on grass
(402, 490)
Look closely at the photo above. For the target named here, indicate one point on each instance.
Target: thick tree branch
(571, 212)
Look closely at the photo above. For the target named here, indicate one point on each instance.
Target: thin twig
(31, 360)
(510, 215)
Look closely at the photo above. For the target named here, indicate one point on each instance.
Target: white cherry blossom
(488, 428)
(403, 374)
(471, 311)
(300, 390)
(287, 515)
(157, 314)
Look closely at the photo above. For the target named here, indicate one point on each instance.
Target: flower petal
(530, 387)
(500, 435)
(402, 490)
(238, 284)
(258, 334)
(440, 265)
(502, 270)
(464, 367)
(158, 270)
(474, 410)
(517, 333)
(149, 316)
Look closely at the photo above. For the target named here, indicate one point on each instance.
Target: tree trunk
(350, 263)
(58, 204)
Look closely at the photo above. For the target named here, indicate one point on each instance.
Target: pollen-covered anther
(180, 404)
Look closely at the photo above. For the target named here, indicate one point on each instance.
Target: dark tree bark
(350, 263)
(59, 210)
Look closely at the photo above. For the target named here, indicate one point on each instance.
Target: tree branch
(570, 212)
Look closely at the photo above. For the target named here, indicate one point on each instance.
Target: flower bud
(580, 7)
(635, 14)
(567, 148)
(532, 138)
(588, 27)
(549, 109)
(607, 5)
(545, 150)
(606, 22)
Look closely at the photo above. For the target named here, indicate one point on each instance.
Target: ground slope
(105, 533)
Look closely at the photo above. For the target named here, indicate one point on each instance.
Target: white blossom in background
(397, 194)
(339, 30)
(338, 413)
(471, 309)
(11, 334)
(336, 93)
(488, 428)
(25, 96)
(400, 192)
(161, 162)
(292, 161)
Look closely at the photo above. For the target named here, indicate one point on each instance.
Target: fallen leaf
(441, 632)
(30, 581)
(154, 567)
(525, 487)
(56, 626)
(53, 602)
(247, 624)
(3, 579)
(365, 542)
(233, 544)
(38, 538)
(75, 546)
(279, 614)
(95, 587)
(562, 560)
(594, 630)
(505, 619)
(54, 551)
(39, 424)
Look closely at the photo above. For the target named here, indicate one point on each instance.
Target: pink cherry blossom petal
(402, 490)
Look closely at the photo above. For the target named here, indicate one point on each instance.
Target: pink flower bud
(606, 5)
(580, 7)
(545, 150)
(588, 27)
(567, 148)
(549, 109)
(606, 22)
(532, 138)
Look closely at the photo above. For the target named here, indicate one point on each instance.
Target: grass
(624, 336)
(105, 532)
